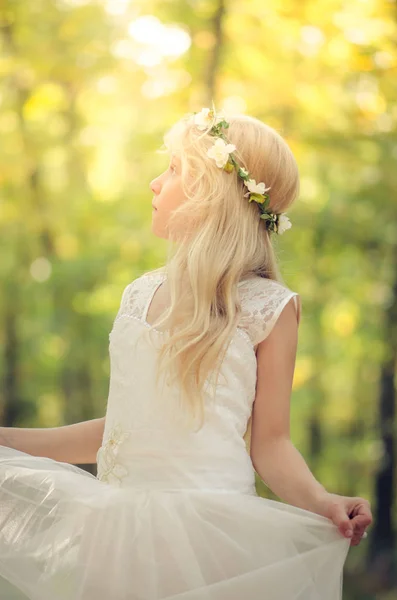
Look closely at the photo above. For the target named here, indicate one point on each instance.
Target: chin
(157, 233)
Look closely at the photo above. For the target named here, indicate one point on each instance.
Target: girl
(202, 359)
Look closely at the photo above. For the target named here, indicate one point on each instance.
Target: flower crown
(222, 153)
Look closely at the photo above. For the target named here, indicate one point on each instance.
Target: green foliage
(88, 89)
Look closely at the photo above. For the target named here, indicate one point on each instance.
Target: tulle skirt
(66, 535)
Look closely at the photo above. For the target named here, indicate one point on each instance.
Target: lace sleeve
(124, 300)
(262, 305)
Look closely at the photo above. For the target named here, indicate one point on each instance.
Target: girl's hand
(350, 514)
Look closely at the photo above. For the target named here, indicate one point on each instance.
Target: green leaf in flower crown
(256, 197)
(266, 202)
(229, 167)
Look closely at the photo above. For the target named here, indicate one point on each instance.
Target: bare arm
(273, 455)
(74, 444)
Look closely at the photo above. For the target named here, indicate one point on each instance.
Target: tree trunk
(383, 536)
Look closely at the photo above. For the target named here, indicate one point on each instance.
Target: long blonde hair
(223, 241)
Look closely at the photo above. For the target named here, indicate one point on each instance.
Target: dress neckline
(158, 282)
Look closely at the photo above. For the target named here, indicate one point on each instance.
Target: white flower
(220, 152)
(256, 188)
(283, 223)
(204, 118)
(109, 469)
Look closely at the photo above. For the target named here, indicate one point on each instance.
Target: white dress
(172, 514)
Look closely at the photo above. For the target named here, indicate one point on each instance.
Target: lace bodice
(262, 302)
(144, 420)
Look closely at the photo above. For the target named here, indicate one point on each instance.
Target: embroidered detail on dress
(109, 469)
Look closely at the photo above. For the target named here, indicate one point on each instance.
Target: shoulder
(262, 302)
(262, 294)
(144, 280)
(136, 292)
(154, 274)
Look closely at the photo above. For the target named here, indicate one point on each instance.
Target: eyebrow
(175, 159)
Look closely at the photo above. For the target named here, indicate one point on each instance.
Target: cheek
(175, 192)
(179, 188)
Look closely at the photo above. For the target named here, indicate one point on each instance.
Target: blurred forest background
(87, 90)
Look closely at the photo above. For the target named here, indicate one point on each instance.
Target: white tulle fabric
(173, 513)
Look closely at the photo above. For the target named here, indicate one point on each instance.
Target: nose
(155, 185)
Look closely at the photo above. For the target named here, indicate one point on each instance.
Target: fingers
(357, 538)
(361, 520)
(354, 528)
(359, 524)
(342, 520)
(352, 517)
(357, 535)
